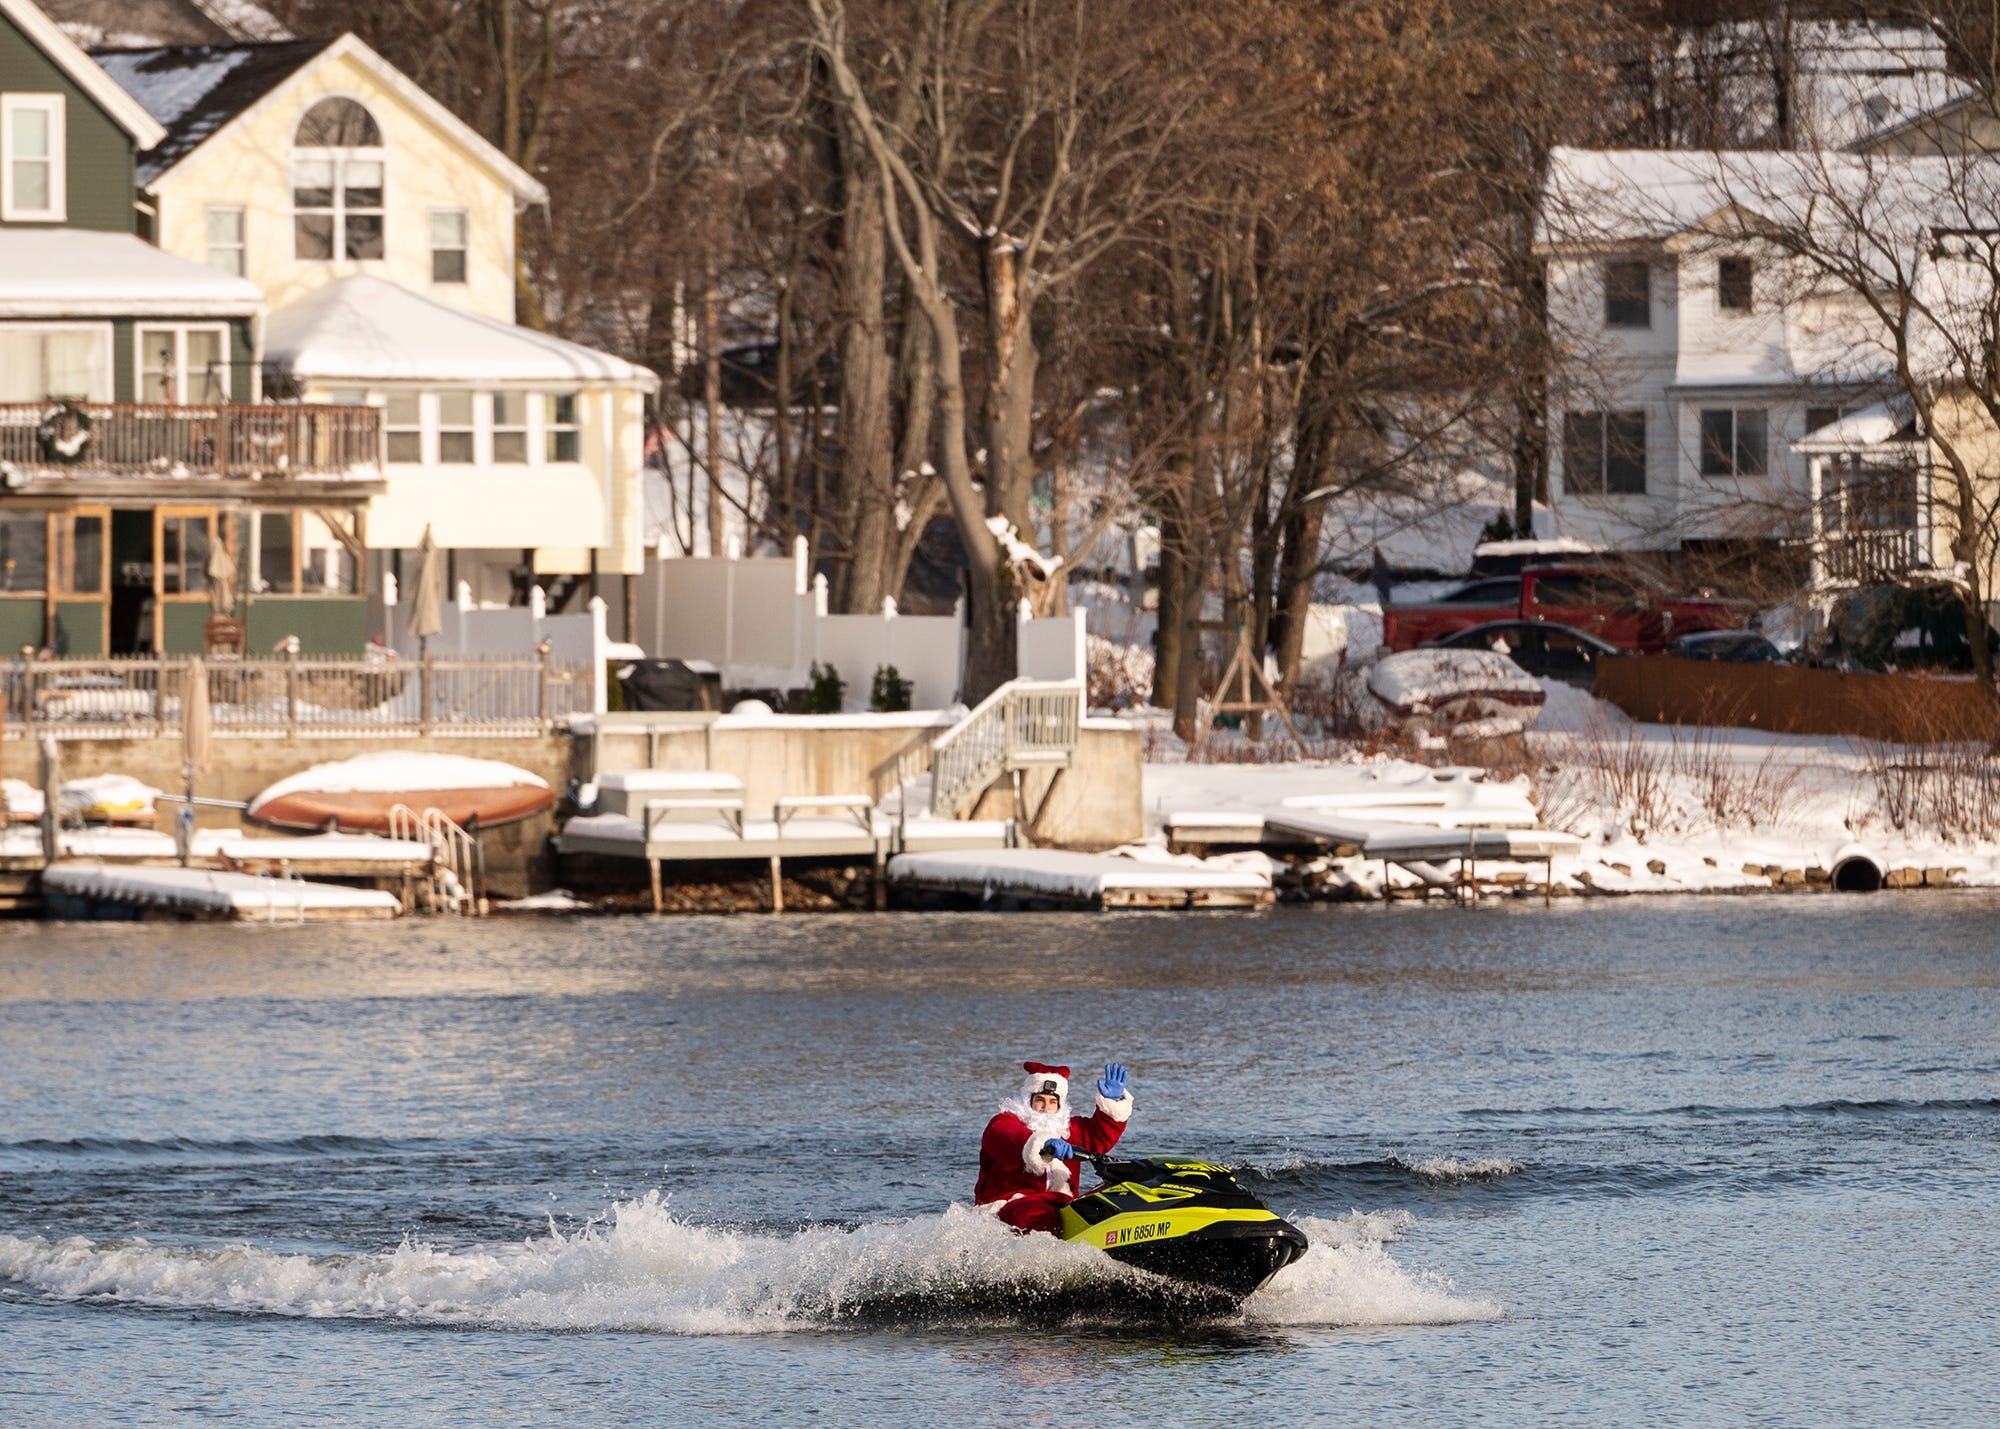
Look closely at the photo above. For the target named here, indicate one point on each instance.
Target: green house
(150, 499)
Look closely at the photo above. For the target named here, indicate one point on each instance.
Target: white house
(1697, 349)
(381, 230)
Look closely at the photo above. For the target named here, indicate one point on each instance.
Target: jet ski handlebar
(1049, 1154)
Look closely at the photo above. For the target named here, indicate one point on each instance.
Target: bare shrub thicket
(1944, 779)
(1610, 775)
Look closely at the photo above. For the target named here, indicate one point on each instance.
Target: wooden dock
(1057, 879)
(99, 891)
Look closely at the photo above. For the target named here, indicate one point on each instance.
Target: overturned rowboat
(359, 794)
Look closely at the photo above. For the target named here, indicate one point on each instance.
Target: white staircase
(1022, 725)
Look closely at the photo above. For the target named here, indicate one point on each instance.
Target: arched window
(337, 178)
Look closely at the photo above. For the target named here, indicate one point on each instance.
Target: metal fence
(287, 697)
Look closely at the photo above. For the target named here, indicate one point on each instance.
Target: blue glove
(1059, 1149)
(1112, 1083)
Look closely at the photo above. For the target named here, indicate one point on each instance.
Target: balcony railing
(213, 439)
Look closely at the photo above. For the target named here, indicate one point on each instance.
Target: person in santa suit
(1020, 1184)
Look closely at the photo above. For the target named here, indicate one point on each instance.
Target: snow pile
(1424, 681)
(643, 1269)
(400, 772)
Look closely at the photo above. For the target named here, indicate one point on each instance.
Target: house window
(32, 159)
(559, 422)
(337, 184)
(80, 553)
(1733, 284)
(225, 238)
(277, 550)
(1605, 452)
(183, 364)
(510, 428)
(448, 231)
(455, 429)
(183, 555)
(24, 551)
(38, 364)
(1732, 441)
(1628, 292)
(403, 422)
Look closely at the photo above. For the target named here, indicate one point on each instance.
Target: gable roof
(193, 90)
(63, 52)
(237, 87)
(364, 328)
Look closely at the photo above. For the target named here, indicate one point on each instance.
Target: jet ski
(1186, 1220)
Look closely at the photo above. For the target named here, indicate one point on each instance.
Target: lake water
(1682, 1161)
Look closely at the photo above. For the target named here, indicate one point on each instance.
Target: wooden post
(292, 688)
(424, 694)
(881, 889)
(51, 798)
(777, 886)
(653, 865)
(542, 686)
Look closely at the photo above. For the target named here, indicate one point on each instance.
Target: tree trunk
(1010, 388)
(1531, 400)
(712, 397)
(867, 483)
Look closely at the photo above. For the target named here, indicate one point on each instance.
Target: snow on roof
(74, 272)
(365, 328)
(1871, 426)
(1601, 197)
(194, 90)
(1548, 546)
(399, 772)
(164, 22)
(66, 55)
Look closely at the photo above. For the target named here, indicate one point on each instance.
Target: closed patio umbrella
(221, 579)
(194, 747)
(427, 603)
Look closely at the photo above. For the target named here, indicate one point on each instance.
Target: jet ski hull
(1186, 1220)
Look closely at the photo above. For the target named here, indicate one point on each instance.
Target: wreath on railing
(65, 433)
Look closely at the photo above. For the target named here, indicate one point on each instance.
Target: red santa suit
(1015, 1181)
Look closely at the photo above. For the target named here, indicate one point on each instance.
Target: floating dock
(669, 816)
(99, 891)
(1053, 878)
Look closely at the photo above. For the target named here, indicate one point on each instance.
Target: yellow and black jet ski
(1187, 1220)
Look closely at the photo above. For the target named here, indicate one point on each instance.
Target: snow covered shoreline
(1656, 809)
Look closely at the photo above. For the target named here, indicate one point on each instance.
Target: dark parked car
(1545, 650)
(1738, 647)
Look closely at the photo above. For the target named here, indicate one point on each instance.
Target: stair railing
(1022, 724)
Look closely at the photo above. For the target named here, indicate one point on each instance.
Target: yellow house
(380, 228)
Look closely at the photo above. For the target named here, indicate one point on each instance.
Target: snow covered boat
(1186, 1220)
(358, 794)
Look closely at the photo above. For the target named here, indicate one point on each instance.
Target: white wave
(644, 1269)
(1347, 1278)
(1453, 1168)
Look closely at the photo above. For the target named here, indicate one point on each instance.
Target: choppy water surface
(1691, 1161)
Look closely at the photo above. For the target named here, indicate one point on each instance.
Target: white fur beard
(1043, 1127)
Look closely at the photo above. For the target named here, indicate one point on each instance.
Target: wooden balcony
(50, 441)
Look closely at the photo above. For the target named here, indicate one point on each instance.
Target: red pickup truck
(1619, 606)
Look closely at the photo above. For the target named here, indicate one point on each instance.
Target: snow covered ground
(1658, 809)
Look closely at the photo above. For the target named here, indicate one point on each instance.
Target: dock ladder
(459, 863)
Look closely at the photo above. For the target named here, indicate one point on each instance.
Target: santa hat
(1044, 1079)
